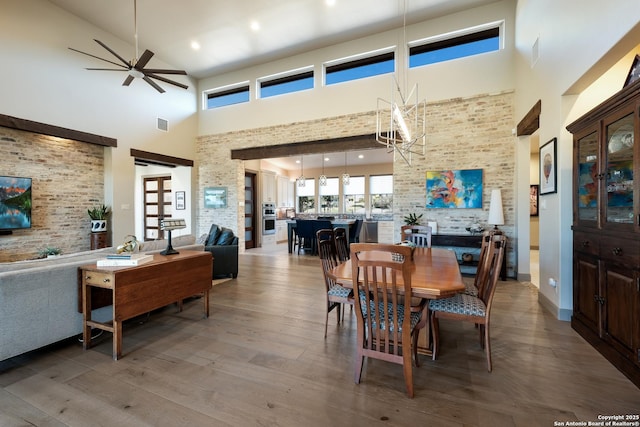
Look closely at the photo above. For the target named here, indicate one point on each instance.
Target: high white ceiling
(223, 30)
(227, 42)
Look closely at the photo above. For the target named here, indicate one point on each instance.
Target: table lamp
(496, 216)
(168, 225)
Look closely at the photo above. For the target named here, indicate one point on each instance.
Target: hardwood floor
(261, 360)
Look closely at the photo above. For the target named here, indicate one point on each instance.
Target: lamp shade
(496, 217)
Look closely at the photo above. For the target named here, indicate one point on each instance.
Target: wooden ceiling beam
(334, 145)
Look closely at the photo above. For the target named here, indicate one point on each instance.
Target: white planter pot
(98, 225)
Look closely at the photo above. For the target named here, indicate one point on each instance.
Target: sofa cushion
(226, 237)
(214, 233)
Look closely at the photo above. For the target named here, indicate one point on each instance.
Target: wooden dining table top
(434, 272)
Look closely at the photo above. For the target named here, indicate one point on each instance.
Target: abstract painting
(454, 189)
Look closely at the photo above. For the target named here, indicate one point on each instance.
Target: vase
(98, 225)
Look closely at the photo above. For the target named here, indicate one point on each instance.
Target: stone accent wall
(469, 133)
(67, 179)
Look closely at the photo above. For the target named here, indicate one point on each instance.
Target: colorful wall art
(454, 189)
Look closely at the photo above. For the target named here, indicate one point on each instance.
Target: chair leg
(434, 335)
(338, 310)
(359, 363)
(326, 323)
(408, 372)
(487, 346)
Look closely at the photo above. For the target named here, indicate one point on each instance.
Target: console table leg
(117, 340)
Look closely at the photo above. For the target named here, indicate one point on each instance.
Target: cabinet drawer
(620, 251)
(100, 279)
(585, 243)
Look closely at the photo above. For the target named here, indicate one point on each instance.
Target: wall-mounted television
(15, 203)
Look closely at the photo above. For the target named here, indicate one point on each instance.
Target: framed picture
(548, 168)
(533, 200)
(634, 72)
(454, 189)
(180, 200)
(215, 197)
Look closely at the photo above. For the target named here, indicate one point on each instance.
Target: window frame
(284, 78)
(456, 39)
(359, 61)
(223, 91)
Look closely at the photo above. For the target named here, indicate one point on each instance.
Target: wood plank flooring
(261, 360)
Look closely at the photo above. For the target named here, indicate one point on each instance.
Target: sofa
(223, 245)
(39, 298)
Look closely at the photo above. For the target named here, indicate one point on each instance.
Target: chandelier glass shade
(322, 180)
(345, 175)
(301, 179)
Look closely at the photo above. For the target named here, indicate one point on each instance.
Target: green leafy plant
(412, 219)
(99, 212)
(49, 251)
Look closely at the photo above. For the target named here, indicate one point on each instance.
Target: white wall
(489, 73)
(42, 80)
(576, 42)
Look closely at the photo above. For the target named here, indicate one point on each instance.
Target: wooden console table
(465, 241)
(140, 289)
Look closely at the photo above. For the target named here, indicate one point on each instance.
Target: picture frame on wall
(533, 200)
(548, 168)
(180, 200)
(457, 189)
(215, 197)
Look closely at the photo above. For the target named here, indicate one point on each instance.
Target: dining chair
(342, 243)
(337, 295)
(421, 240)
(354, 231)
(306, 236)
(406, 230)
(472, 309)
(385, 330)
(480, 276)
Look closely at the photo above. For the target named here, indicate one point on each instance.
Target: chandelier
(301, 180)
(401, 121)
(345, 175)
(322, 180)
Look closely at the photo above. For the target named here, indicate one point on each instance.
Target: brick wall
(67, 179)
(469, 133)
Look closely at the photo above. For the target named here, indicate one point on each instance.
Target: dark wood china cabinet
(606, 229)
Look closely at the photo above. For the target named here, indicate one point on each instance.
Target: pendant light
(301, 180)
(322, 180)
(345, 175)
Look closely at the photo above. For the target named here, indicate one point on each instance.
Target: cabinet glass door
(619, 172)
(587, 199)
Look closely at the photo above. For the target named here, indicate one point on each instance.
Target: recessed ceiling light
(330, 2)
(361, 156)
(255, 25)
(195, 45)
(326, 159)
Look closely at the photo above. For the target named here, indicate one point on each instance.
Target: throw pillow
(202, 239)
(226, 237)
(214, 233)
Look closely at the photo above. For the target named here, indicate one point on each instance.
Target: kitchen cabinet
(606, 230)
(281, 231)
(285, 192)
(268, 179)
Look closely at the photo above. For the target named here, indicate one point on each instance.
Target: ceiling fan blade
(97, 57)
(152, 83)
(128, 80)
(163, 79)
(113, 53)
(158, 71)
(105, 69)
(146, 56)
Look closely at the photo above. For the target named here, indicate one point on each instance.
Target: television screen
(15, 203)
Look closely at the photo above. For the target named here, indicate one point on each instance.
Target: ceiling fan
(136, 67)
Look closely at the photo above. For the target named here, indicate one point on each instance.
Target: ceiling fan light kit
(136, 68)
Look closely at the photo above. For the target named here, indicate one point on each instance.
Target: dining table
(435, 273)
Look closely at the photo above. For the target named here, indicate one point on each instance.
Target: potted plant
(412, 219)
(98, 215)
(49, 252)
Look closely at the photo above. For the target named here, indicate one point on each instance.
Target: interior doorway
(156, 192)
(250, 209)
